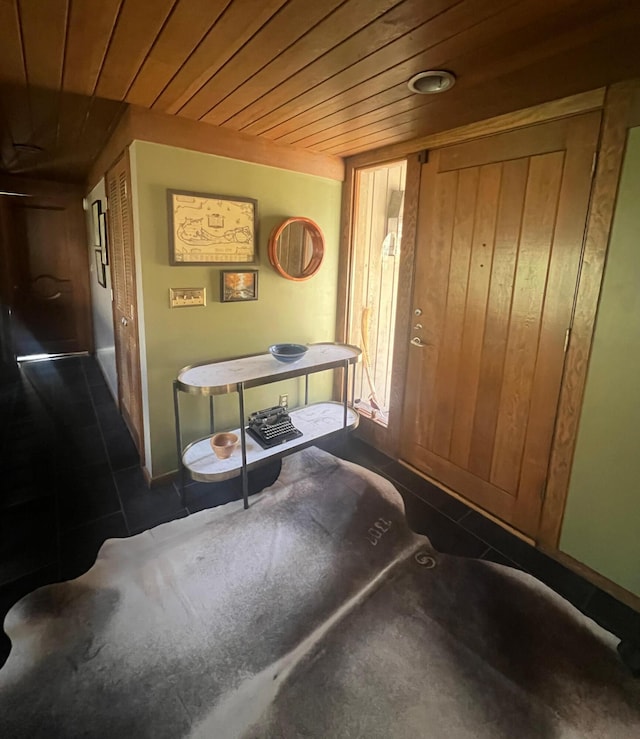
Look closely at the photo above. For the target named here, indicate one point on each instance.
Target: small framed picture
(238, 286)
(104, 241)
(96, 209)
(101, 275)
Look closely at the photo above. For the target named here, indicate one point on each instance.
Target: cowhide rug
(316, 613)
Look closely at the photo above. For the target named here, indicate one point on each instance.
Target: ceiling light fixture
(431, 82)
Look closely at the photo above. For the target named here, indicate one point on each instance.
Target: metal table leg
(243, 444)
(181, 469)
(345, 391)
(211, 416)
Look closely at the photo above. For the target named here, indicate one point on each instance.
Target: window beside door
(373, 286)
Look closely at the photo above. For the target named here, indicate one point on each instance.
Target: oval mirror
(296, 248)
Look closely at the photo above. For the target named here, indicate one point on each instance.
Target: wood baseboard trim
(612, 588)
(470, 504)
(164, 479)
(600, 581)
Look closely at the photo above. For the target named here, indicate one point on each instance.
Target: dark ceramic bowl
(288, 352)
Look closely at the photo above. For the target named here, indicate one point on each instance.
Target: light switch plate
(183, 297)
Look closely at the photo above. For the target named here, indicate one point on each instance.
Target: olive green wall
(285, 311)
(602, 520)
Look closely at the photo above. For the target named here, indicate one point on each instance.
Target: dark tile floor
(70, 479)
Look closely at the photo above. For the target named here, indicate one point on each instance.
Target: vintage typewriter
(272, 426)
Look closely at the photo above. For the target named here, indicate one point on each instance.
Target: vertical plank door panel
(458, 280)
(437, 208)
(545, 173)
(475, 312)
(556, 318)
(505, 253)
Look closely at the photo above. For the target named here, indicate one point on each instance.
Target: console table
(316, 421)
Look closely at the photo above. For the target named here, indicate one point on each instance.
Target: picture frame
(101, 274)
(104, 241)
(96, 209)
(207, 229)
(238, 285)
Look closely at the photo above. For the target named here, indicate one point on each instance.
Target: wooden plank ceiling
(326, 75)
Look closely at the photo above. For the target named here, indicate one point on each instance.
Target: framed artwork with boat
(211, 229)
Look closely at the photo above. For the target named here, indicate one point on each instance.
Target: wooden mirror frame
(317, 240)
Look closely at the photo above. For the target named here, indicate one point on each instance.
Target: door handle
(417, 341)
(124, 321)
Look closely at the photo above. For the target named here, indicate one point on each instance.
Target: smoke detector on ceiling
(431, 82)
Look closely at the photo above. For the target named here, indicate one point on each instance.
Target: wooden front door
(500, 230)
(125, 313)
(45, 256)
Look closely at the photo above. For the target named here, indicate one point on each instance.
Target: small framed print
(104, 242)
(236, 286)
(211, 229)
(96, 209)
(101, 274)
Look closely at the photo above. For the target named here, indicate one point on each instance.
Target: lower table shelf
(316, 421)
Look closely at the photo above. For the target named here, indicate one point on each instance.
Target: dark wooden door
(125, 313)
(500, 231)
(45, 255)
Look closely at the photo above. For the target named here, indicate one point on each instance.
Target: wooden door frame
(620, 104)
(620, 113)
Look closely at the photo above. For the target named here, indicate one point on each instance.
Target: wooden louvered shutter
(125, 314)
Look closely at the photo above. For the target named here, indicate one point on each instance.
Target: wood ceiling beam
(572, 105)
(144, 125)
(121, 137)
